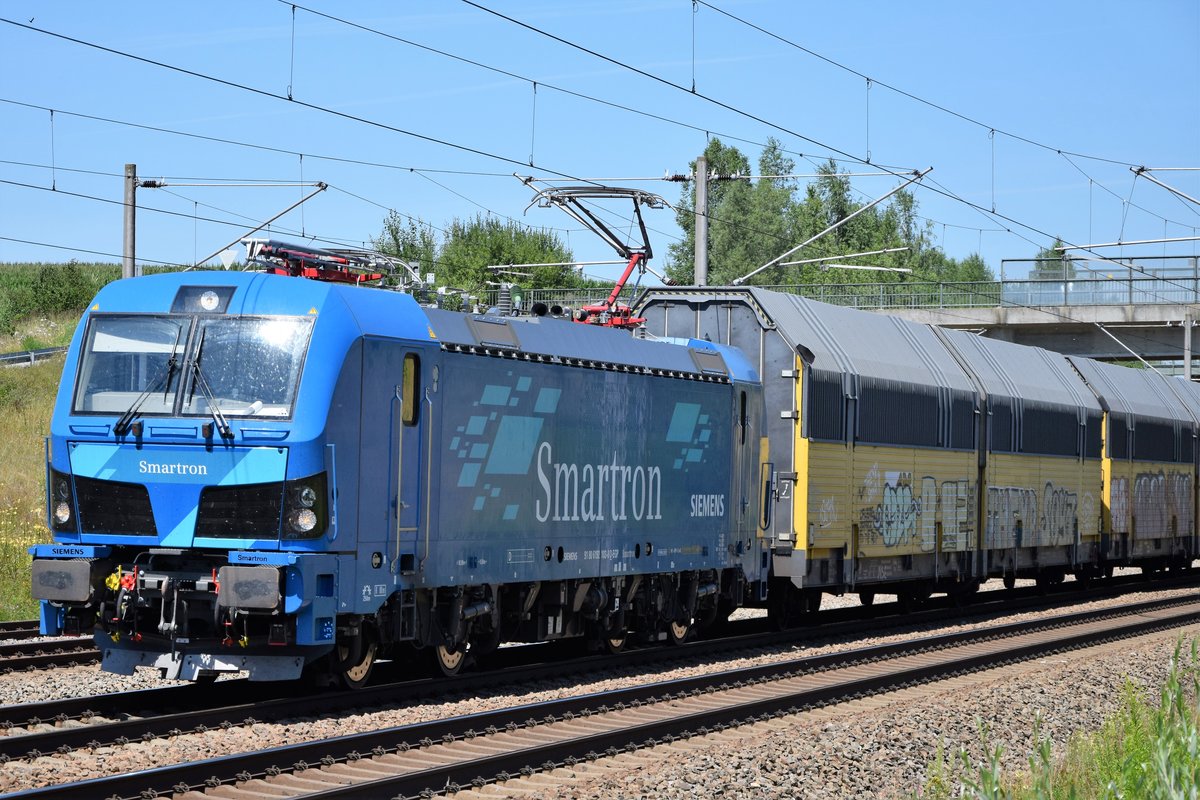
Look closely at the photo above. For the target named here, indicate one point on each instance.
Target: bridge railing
(975, 294)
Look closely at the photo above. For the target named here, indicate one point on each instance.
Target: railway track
(35, 729)
(19, 629)
(74, 652)
(484, 748)
(27, 655)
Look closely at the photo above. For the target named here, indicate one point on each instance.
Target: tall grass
(1146, 750)
(26, 400)
(40, 305)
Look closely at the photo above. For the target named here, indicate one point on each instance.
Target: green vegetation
(752, 222)
(460, 254)
(40, 305)
(1145, 751)
(44, 290)
(26, 400)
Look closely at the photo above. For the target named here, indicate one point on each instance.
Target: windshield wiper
(198, 379)
(125, 422)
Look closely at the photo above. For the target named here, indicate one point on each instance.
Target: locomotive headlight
(306, 513)
(303, 520)
(61, 502)
(307, 496)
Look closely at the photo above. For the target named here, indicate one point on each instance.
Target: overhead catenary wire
(634, 110)
(365, 121)
(722, 104)
(168, 212)
(992, 129)
(421, 171)
(642, 112)
(84, 250)
(283, 98)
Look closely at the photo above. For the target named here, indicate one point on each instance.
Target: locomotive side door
(406, 425)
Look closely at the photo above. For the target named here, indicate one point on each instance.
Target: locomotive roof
(564, 341)
(259, 293)
(379, 312)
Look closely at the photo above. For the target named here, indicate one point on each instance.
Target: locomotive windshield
(246, 366)
(124, 358)
(241, 366)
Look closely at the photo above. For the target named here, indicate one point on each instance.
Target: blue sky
(1114, 83)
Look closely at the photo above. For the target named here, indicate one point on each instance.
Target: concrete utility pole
(129, 267)
(701, 272)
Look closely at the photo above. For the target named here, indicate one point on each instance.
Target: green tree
(972, 268)
(460, 257)
(410, 240)
(1052, 264)
(751, 223)
(470, 247)
(748, 221)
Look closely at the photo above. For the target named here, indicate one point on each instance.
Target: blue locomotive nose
(176, 494)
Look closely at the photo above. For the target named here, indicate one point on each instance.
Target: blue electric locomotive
(256, 473)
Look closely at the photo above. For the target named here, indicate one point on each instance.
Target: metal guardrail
(976, 294)
(26, 357)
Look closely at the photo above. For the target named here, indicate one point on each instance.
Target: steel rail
(19, 629)
(182, 709)
(355, 747)
(25, 655)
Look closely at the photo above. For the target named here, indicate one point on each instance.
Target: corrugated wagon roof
(867, 344)
(1019, 371)
(1142, 392)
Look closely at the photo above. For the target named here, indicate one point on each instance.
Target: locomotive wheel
(614, 642)
(354, 662)
(450, 662)
(678, 632)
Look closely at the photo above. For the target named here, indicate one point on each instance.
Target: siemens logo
(708, 505)
(178, 468)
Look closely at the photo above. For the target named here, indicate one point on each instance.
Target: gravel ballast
(857, 750)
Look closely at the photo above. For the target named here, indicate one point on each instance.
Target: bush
(18, 300)
(41, 289)
(1146, 751)
(62, 287)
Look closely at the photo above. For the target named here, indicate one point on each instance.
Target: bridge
(1120, 309)
(1109, 319)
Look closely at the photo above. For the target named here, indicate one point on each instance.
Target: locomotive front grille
(114, 507)
(248, 511)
